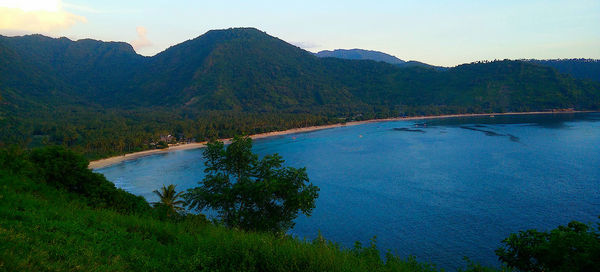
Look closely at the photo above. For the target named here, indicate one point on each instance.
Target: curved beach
(132, 156)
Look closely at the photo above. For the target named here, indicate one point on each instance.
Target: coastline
(132, 156)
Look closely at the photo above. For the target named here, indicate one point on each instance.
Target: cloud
(142, 41)
(36, 17)
(306, 45)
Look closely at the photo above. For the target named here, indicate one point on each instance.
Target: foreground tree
(170, 198)
(251, 193)
(575, 247)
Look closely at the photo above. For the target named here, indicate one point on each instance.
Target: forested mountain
(578, 68)
(361, 54)
(102, 98)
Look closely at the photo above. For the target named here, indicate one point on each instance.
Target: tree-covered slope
(578, 68)
(248, 70)
(84, 70)
(102, 98)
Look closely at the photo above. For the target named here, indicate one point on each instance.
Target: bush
(14, 160)
(64, 169)
(575, 247)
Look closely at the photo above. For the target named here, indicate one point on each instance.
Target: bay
(438, 189)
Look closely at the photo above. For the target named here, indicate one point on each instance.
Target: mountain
(102, 98)
(361, 54)
(578, 68)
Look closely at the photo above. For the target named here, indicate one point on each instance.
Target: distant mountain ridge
(103, 97)
(362, 54)
(578, 68)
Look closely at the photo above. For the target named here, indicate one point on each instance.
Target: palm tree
(170, 198)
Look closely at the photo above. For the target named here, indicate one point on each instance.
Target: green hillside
(53, 221)
(578, 68)
(101, 98)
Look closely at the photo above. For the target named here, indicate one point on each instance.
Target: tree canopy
(251, 193)
(575, 247)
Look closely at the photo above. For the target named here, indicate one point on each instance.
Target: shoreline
(101, 163)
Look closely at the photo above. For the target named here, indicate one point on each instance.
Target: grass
(46, 229)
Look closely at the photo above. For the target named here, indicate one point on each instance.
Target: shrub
(64, 169)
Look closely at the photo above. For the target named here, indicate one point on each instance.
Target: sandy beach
(132, 156)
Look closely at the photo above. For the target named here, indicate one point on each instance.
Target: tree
(575, 247)
(170, 198)
(251, 193)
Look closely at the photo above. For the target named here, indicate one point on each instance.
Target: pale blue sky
(437, 32)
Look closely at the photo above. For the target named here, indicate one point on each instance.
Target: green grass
(46, 229)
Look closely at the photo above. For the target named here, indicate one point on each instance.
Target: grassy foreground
(44, 228)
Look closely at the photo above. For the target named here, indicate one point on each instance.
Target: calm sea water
(437, 189)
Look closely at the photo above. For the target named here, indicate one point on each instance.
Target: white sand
(131, 156)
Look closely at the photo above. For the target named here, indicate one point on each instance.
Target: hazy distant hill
(102, 97)
(578, 68)
(361, 54)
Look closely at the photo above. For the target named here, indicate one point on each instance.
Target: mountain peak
(237, 30)
(231, 33)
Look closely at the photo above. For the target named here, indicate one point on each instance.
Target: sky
(444, 33)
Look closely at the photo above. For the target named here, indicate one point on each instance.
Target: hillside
(102, 98)
(70, 225)
(578, 68)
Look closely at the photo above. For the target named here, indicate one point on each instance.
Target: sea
(436, 189)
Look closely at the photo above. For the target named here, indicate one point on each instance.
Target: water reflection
(554, 121)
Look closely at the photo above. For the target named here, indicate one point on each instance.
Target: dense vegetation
(575, 247)
(101, 98)
(578, 68)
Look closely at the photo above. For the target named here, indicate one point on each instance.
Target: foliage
(66, 170)
(43, 228)
(235, 81)
(251, 193)
(578, 68)
(170, 198)
(475, 267)
(575, 247)
(14, 160)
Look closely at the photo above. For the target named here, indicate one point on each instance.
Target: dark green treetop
(251, 193)
(575, 247)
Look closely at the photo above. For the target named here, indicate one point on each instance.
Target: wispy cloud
(36, 16)
(306, 45)
(142, 40)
